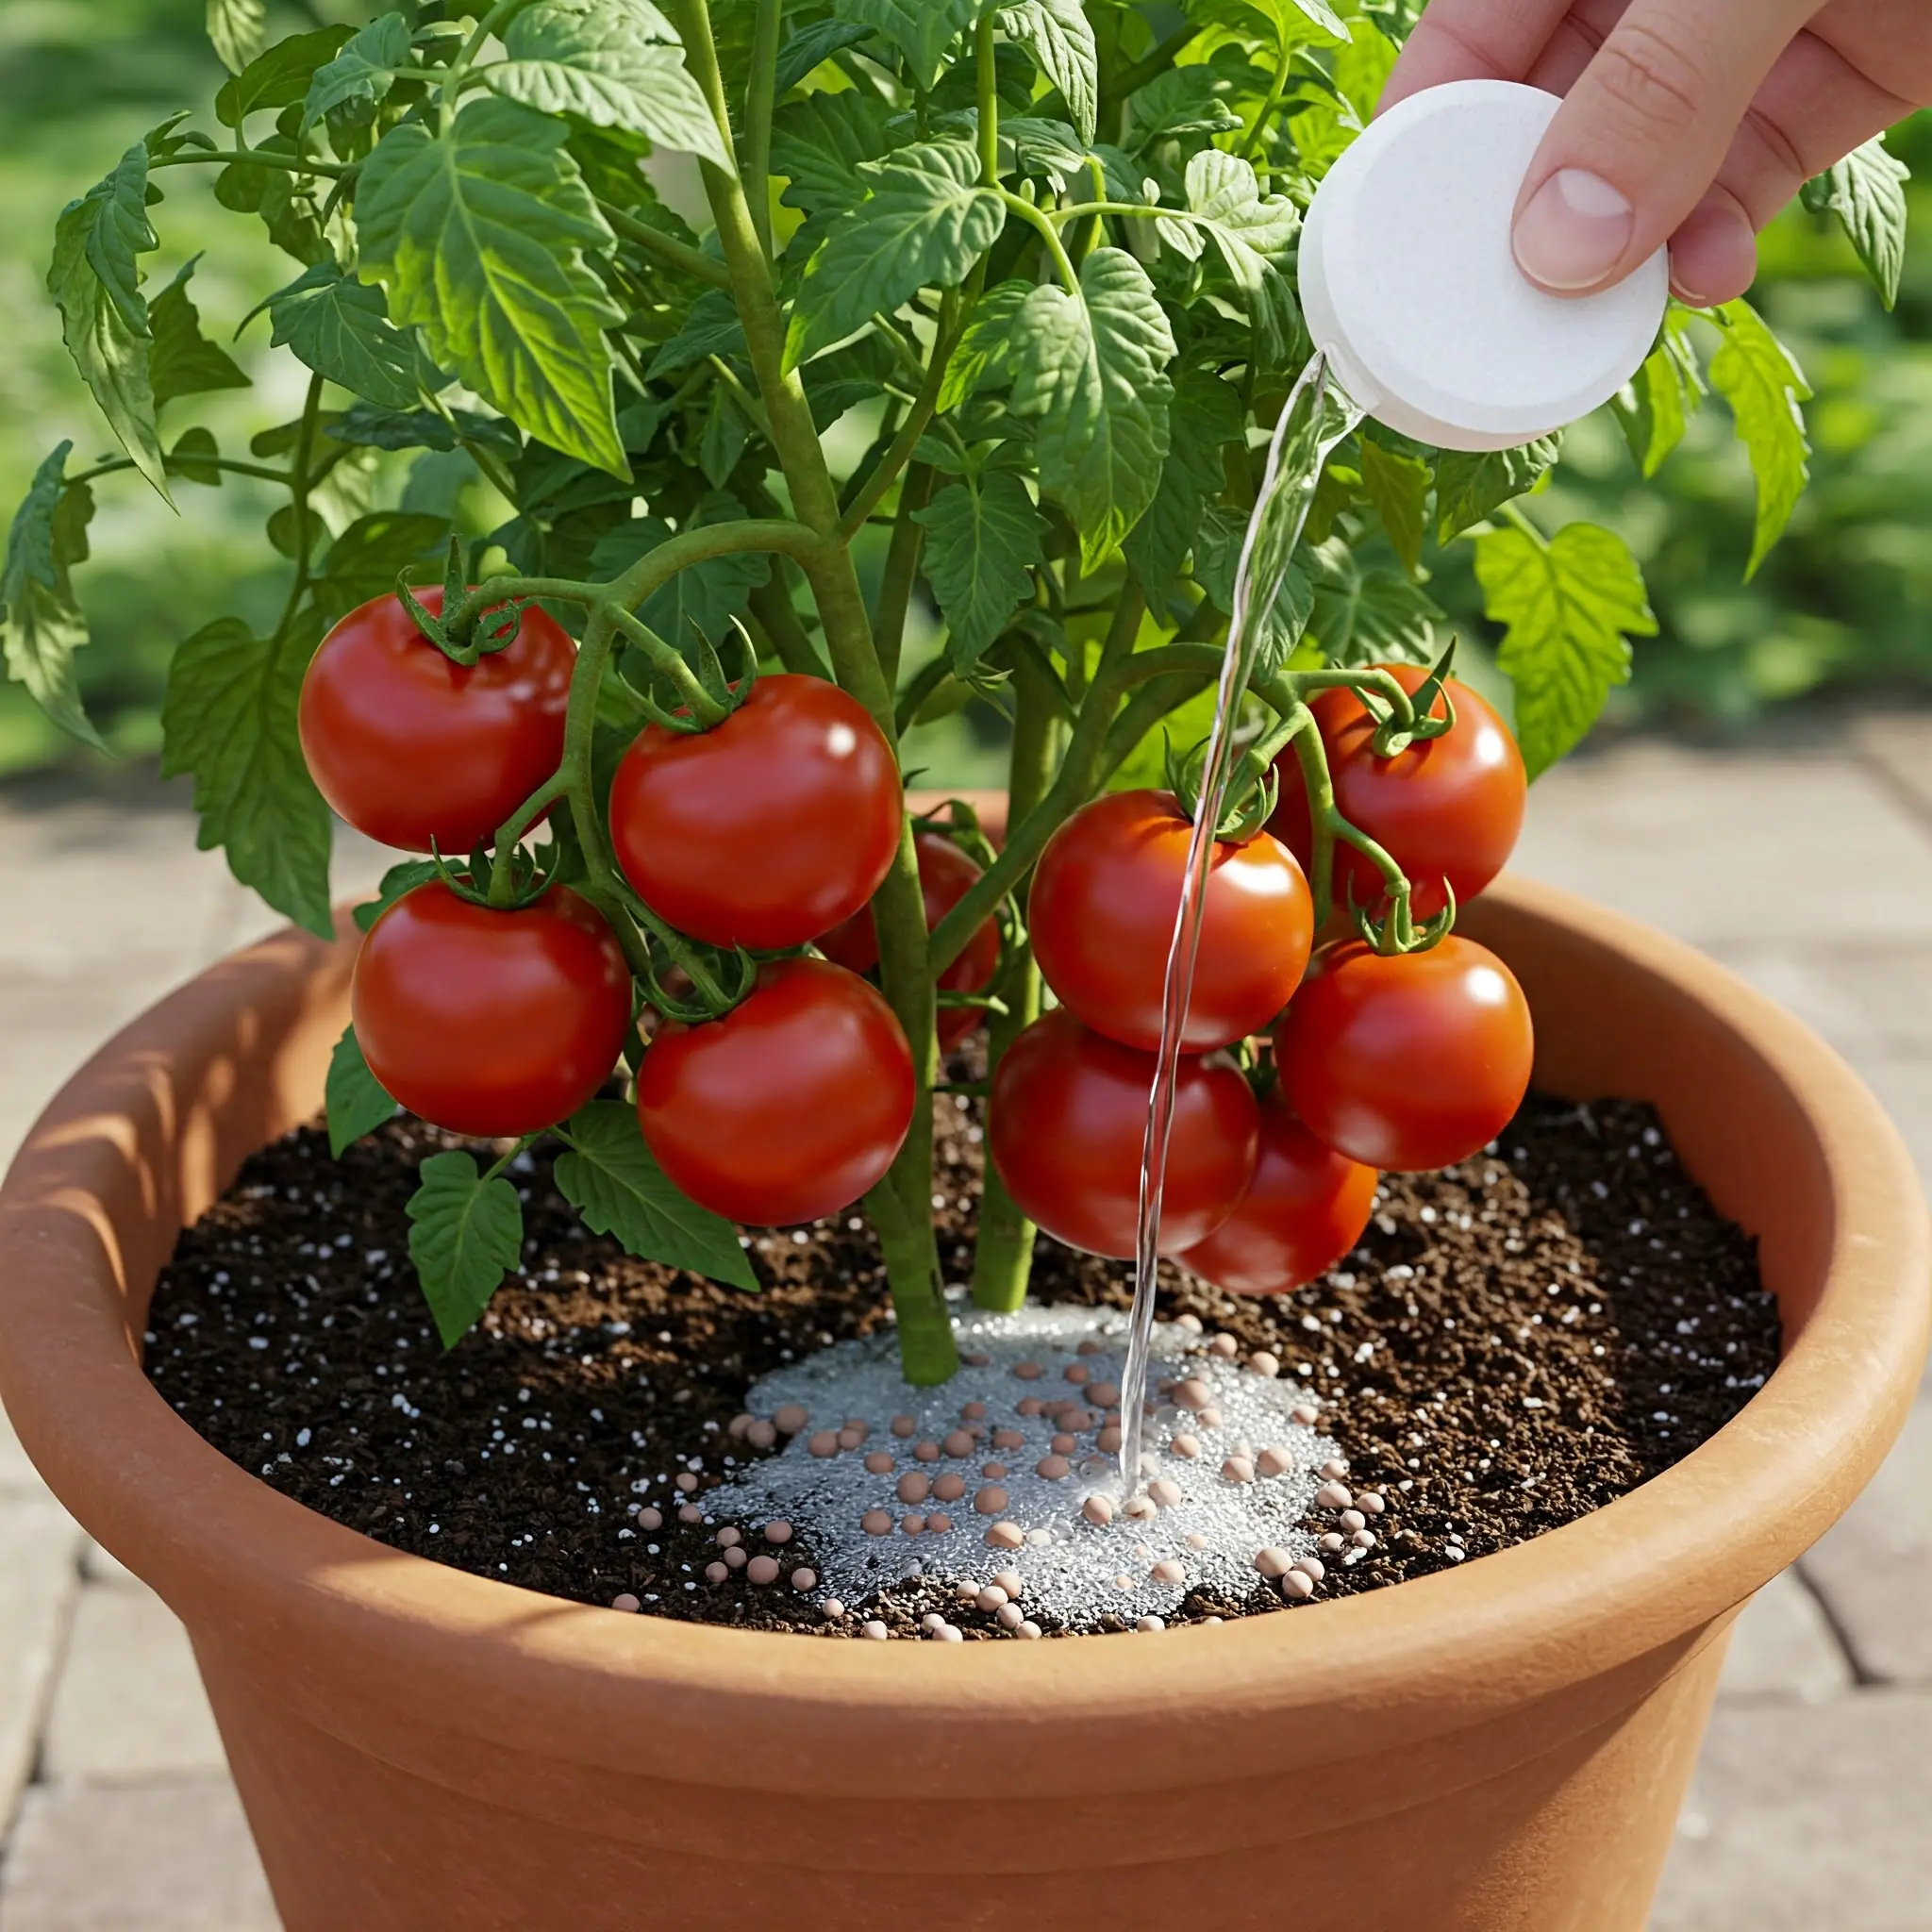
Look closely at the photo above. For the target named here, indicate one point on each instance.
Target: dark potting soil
(1518, 1340)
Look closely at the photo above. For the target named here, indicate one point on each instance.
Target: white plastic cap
(1408, 281)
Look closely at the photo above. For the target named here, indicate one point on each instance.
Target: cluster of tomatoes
(766, 833)
(770, 832)
(1406, 1062)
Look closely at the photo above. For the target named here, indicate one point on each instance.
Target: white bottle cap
(1408, 280)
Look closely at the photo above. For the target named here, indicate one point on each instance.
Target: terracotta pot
(1502, 1746)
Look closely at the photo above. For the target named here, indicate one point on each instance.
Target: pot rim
(1445, 1652)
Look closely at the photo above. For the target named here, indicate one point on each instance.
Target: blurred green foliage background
(1845, 601)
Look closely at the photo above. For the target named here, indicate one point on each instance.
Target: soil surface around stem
(1518, 1340)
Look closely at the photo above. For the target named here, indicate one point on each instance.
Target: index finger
(1472, 40)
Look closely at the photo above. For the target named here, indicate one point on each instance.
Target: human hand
(1692, 122)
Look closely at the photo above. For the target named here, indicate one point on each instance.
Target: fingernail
(1573, 231)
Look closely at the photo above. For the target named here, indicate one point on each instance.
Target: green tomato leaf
(703, 596)
(1867, 192)
(193, 457)
(287, 203)
(984, 357)
(1292, 23)
(369, 426)
(1368, 616)
(925, 222)
(229, 719)
(1759, 377)
(365, 559)
(1398, 487)
(95, 280)
(920, 29)
(466, 1234)
(479, 236)
(236, 29)
(1184, 100)
(1362, 67)
(40, 624)
(810, 47)
(1217, 557)
(362, 73)
(981, 537)
(1091, 369)
(711, 328)
(341, 329)
(356, 1100)
(280, 78)
(614, 1182)
(614, 64)
(1469, 486)
(820, 143)
(1206, 416)
(183, 362)
(1254, 234)
(1568, 607)
(1059, 36)
(397, 881)
(1654, 408)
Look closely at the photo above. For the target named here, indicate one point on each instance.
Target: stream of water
(1316, 417)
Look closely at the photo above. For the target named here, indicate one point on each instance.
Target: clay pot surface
(1501, 1748)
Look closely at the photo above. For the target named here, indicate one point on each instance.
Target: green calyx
(500, 884)
(1396, 933)
(1253, 790)
(462, 634)
(715, 990)
(1394, 732)
(725, 691)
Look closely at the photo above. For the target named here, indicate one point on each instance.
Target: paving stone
(1874, 1568)
(1900, 744)
(170, 1856)
(98, 1566)
(1782, 1646)
(1804, 1816)
(1871, 999)
(130, 1703)
(40, 1550)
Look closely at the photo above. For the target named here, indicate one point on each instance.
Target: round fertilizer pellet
(715, 1572)
(1272, 1562)
(875, 1523)
(932, 1621)
(938, 1523)
(831, 1609)
(1372, 1502)
(1108, 1441)
(972, 1412)
(1027, 1372)
(624, 1600)
(791, 1418)
(912, 1525)
(850, 1439)
(1009, 1438)
(1190, 1322)
(1364, 1539)
(976, 1361)
(1010, 1616)
(1150, 1623)
(1333, 1496)
(1313, 1565)
(762, 1570)
(1186, 1444)
(805, 1579)
(856, 1423)
(1238, 1469)
(689, 1512)
(1305, 1413)
(950, 1487)
(990, 1598)
(734, 1558)
(879, 1463)
(650, 1519)
(1196, 1540)
(1274, 1461)
(925, 1452)
(778, 1531)
(1166, 1494)
(1169, 1571)
(1028, 1629)
(826, 1442)
(1005, 1536)
(736, 1427)
(1010, 1581)
(1331, 1541)
(989, 1501)
(1029, 1406)
(1054, 1468)
(948, 1633)
(958, 1443)
(728, 1536)
(1225, 1346)
(904, 1425)
(1353, 1519)
(1076, 1420)
(1193, 1394)
(688, 1483)
(1106, 1393)
(1264, 1362)
(1137, 1509)
(1039, 1537)
(1063, 1445)
(1297, 1584)
(913, 1488)
(992, 1471)
(876, 1631)
(761, 1435)
(1336, 1467)
(1075, 1372)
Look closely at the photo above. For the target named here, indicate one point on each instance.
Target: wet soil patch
(1517, 1341)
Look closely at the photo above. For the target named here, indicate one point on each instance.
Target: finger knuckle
(1656, 84)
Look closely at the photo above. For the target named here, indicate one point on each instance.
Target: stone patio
(1807, 867)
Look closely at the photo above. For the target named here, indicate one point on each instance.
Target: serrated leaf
(1367, 616)
(1656, 406)
(614, 1182)
(193, 457)
(1469, 486)
(981, 537)
(479, 236)
(706, 596)
(1060, 38)
(925, 222)
(1398, 487)
(1759, 377)
(40, 624)
(372, 426)
(1294, 23)
(1568, 607)
(280, 76)
(810, 47)
(1091, 369)
(1217, 557)
(340, 327)
(1867, 192)
(394, 883)
(465, 1234)
(1254, 234)
(235, 30)
(355, 1101)
(183, 362)
(820, 145)
(920, 29)
(286, 202)
(1206, 415)
(984, 357)
(615, 63)
(95, 280)
(1184, 100)
(364, 560)
(229, 718)
(362, 73)
(711, 328)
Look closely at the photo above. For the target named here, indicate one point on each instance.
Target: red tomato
(1450, 807)
(490, 1023)
(788, 1108)
(1102, 909)
(408, 747)
(1304, 1208)
(945, 876)
(1068, 1117)
(766, 830)
(1408, 1063)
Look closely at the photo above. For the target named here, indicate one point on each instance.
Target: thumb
(1643, 134)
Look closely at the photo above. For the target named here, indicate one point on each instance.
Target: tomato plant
(1448, 809)
(415, 750)
(1102, 909)
(489, 1021)
(1304, 1208)
(945, 875)
(788, 1108)
(1069, 1115)
(1410, 1061)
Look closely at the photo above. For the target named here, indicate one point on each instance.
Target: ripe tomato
(408, 747)
(789, 1107)
(1408, 1063)
(490, 1023)
(1449, 807)
(945, 876)
(1068, 1117)
(766, 830)
(1102, 909)
(1304, 1208)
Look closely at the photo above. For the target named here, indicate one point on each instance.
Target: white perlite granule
(1074, 1569)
